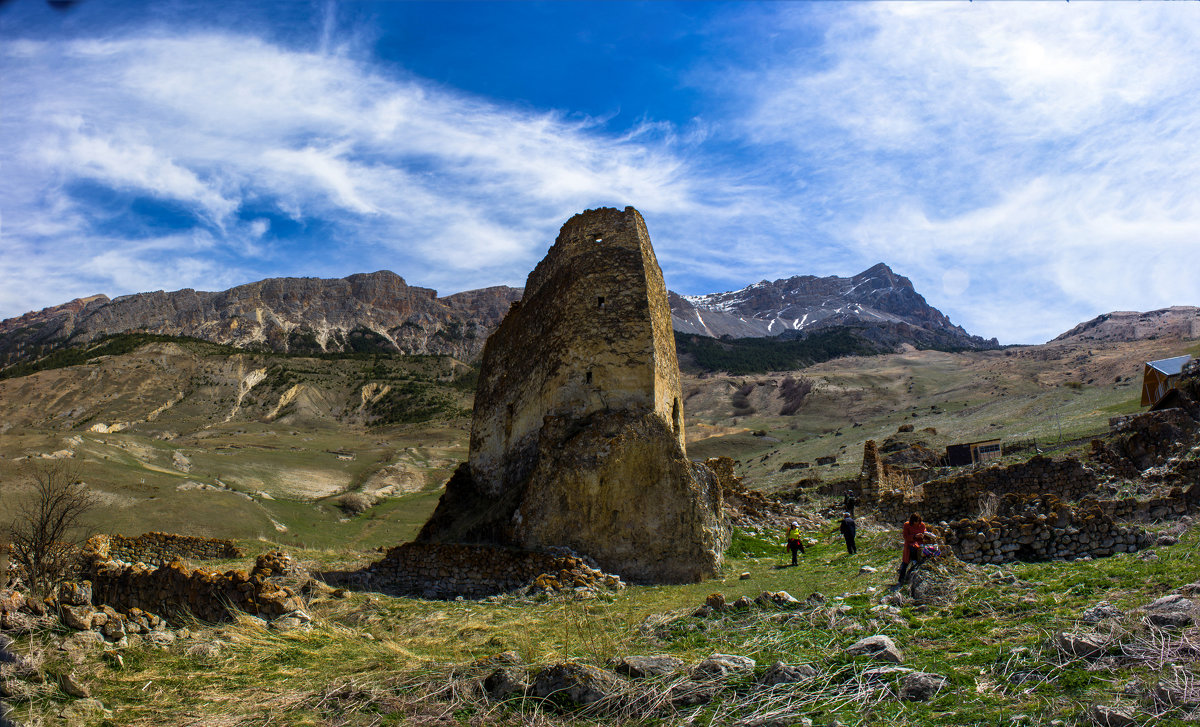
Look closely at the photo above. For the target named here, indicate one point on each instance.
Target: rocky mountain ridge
(380, 312)
(796, 306)
(1178, 321)
(365, 312)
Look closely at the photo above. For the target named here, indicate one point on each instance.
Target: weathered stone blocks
(577, 433)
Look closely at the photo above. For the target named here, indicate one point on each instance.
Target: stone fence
(162, 548)
(967, 495)
(1176, 503)
(443, 571)
(1041, 527)
(174, 591)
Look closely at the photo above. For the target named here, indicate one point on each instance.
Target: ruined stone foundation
(577, 434)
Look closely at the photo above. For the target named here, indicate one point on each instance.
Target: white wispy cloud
(1041, 152)
(448, 189)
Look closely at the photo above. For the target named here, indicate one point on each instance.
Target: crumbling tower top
(592, 333)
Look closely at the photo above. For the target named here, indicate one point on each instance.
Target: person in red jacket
(914, 534)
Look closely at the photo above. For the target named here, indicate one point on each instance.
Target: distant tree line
(741, 356)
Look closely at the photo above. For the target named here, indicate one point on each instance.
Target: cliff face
(577, 433)
(374, 311)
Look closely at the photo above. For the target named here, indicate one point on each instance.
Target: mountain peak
(800, 304)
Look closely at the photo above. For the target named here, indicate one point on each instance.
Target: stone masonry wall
(591, 333)
(878, 477)
(577, 436)
(1041, 527)
(173, 590)
(1177, 502)
(162, 548)
(440, 571)
(966, 495)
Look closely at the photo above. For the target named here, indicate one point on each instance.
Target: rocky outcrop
(1179, 321)
(365, 312)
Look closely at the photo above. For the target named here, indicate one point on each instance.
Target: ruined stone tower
(577, 435)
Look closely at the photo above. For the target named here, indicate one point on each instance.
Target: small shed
(958, 455)
(1160, 376)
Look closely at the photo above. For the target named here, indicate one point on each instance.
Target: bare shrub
(49, 525)
(741, 400)
(793, 391)
(355, 503)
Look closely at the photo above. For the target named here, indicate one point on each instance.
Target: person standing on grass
(794, 543)
(914, 534)
(849, 500)
(848, 529)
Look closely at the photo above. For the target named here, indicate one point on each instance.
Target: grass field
(376, 660)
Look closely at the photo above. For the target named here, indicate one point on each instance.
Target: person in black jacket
(848, 529)
(849, 500)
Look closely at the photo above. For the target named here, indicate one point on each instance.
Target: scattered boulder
(780, 673)
(572, 684)
(921, 686)
(1085, 646)
(1106, 716)
(114, 628)
(1166, 540)
(70, 593)
(1173, 611)
(1101, 611)
(640, 667)
(73, 687)
(785, 599)
(1170, 619)
(722, 666)
(506, 682)
(878, 647)
(76, 617)
(866, 569)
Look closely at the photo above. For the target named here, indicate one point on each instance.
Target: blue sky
(1028, 166)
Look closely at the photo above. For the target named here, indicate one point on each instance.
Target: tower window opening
(508, 423)
(676, 417)
(600, 301)
(599, 239)
(588, 377)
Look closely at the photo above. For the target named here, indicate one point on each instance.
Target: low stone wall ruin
(893, 492)
(173, 590)
(1177, 502)
(441, 571)
(1041, 527)
(161, 548)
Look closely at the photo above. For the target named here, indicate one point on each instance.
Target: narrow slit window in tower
(677, 417)
(508, 421)
(588, 377)
(600, 301)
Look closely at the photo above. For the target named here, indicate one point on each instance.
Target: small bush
(355, 503)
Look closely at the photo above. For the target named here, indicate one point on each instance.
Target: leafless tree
(49, 525)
